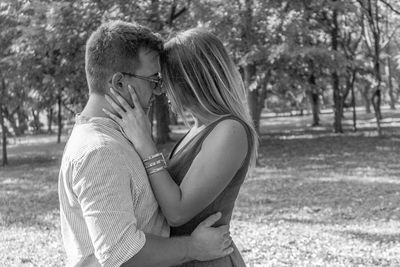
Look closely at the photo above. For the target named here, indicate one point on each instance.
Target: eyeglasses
(157, 82)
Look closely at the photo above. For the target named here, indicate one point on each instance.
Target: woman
(208, 165)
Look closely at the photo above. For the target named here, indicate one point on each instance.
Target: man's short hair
(112, 48)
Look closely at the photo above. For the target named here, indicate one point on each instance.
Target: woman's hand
(133, 121)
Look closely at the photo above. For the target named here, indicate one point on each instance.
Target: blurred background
(323, 83)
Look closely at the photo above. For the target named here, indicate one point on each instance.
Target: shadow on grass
(304, 221)
(372, 237)
(28, 192)
(352, 260)
(31, 160)
(361, 155)
(36, 210)
(315, 201)
(34, 154)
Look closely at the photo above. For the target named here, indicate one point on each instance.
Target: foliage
(287, 42)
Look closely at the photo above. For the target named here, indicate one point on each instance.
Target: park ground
(315, 199)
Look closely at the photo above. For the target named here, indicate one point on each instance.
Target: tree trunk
(376, 97)
(337, 100)
(389, 74)
(161, 108)
(337, 96)
(350, 79)
(36, 121)
(253, 104)
(173, 118)
(390, 85)
(376, 103)
(59, 118)
(2, 122)
(314, 100)
(353, 102)
(22, 121)
(367, 100)
(4, 137)
(254, 99)
(49, 120)
(162, 119)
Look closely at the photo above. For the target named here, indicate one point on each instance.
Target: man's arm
(160, 251)
(205, 243)
(102, 185)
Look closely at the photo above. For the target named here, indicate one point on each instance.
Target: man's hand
(208, 243)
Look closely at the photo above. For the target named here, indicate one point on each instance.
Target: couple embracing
(122, 202)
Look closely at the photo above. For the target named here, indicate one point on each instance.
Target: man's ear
(117, 81)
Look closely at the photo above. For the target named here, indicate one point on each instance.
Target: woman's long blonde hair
(200, 77)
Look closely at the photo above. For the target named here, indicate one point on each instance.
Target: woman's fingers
(134, 97)
(224, 229)
(227, 234)
(121, 100)
(112, 116)
(227, 242)
(228, 251)
(115, 106)
(135, 100)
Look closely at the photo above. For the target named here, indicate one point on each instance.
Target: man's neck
(94, 106)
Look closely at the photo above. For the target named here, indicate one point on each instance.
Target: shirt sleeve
(102, 185)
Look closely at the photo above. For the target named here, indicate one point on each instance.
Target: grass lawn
(317, 198)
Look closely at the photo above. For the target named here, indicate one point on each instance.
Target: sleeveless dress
(179, 164)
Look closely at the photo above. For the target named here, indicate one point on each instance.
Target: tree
(4, 130)
(8, 23)
(244, 29)
(288, 52)
(372, 10)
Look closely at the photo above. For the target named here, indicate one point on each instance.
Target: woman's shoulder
(227, 132)
(230, 123)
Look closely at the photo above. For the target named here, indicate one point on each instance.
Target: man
(109, 215)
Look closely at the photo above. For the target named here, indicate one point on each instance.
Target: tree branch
(391, 7)
(390, 36)
(180, 12)
(174, 15)
(65, 105)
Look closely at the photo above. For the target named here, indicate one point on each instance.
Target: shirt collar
(107, 122)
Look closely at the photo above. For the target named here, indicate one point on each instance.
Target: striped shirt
(106, 202)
